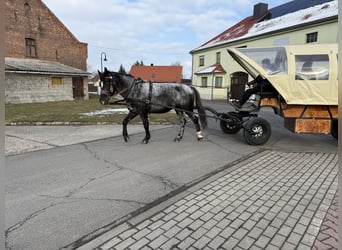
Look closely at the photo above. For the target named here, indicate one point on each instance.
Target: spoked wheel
(230, 125)
(257, 131)
(334, 128)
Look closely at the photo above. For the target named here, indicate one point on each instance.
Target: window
(31, 47)
(218, 57)
(311, 37)
(56, 80)
(204, 83)
(218, 82)
(275, 55)
(201, 61)
(312, 67)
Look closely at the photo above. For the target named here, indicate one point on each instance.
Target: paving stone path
(327, 237)
(275, 200)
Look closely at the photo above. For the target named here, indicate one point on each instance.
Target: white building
(293, 23)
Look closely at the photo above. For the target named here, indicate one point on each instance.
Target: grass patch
(72, 112)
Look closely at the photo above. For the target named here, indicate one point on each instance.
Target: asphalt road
(64, 195)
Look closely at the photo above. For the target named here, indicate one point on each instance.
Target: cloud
(162, 32)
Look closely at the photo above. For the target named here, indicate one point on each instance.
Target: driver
(258, 84)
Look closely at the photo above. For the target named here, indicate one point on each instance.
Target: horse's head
(113, 83)
(107, 85)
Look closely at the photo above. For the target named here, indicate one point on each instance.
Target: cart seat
(267, 94)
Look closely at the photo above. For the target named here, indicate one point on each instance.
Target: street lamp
(105, 59)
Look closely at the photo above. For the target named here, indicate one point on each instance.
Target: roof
(293, 13)
(158, 73)
(35, 66)
(216, 68)
(296, 86)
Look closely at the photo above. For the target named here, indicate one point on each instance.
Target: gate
(77, 88)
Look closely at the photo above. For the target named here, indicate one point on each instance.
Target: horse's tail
(200, 108)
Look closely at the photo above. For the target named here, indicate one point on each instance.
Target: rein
(130, 88)
(128, 99)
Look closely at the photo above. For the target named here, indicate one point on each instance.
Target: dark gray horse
(144, 97)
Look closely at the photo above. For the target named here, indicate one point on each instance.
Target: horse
(143, 98)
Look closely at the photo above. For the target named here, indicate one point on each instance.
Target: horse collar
(126, 98)
(131, 90)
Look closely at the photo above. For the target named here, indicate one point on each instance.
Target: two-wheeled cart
(305, 93)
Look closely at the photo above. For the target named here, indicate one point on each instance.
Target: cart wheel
(231, 125)
(257, 131)
(334, 128)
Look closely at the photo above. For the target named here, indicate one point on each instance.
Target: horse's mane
(126, 74)
(119, 73)
(139, 79)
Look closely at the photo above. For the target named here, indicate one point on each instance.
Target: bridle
(112, 90)
(108, 89)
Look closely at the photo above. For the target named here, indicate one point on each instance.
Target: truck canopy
(302, 74)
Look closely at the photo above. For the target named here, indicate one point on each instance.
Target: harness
(148, 101)
(132, 90)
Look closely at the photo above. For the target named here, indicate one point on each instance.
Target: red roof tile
(158, 73)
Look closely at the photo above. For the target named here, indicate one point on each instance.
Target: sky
(155, 32)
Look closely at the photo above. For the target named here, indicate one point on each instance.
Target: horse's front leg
(182, 122)
(144, 118)
(129, 117)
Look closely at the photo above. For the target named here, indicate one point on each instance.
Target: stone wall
(26, 88)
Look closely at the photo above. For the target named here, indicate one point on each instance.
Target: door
(77, 87)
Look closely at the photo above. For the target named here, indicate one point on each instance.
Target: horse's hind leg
(195, 120)
(144, 118)
(129, 117)
(182, 121)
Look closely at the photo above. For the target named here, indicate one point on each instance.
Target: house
(293, 23)
(157, 73)
(44, 61)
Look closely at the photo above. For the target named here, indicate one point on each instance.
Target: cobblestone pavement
(275, 200)
(327, 236)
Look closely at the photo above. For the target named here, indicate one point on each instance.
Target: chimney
(260, 9)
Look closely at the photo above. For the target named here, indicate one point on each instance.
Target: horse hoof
(144, 141)
(176, 139)
(199, 135)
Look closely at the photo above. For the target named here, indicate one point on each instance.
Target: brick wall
(54, 42)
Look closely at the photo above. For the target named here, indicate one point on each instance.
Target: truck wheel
(334, 128)
(231, 125)
(257, 131)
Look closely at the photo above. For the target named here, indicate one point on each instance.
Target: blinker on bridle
(108, 79)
